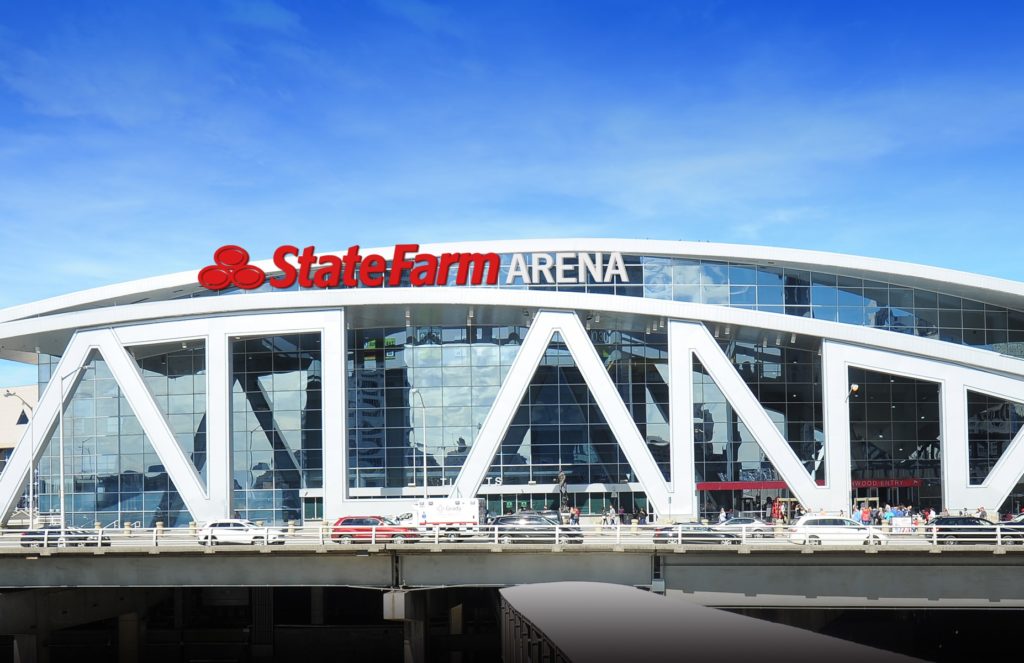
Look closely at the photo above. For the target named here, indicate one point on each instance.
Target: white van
(815, 530)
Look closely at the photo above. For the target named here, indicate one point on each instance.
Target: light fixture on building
(792, 339)
(597, 318)
(778, 340)
(716, 331)
(854, 388)
(728, 330)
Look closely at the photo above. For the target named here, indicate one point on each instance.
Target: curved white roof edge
(267, 302)
(995, 290)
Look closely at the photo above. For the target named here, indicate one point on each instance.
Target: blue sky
(137, 137)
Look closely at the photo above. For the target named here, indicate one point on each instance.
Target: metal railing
(562, 536)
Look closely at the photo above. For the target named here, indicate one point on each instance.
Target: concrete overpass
(976, 576)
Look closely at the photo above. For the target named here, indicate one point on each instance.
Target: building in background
(697, 377)
(16, 408)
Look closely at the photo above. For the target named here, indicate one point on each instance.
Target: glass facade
(559, 428)
(895, 437)
(176, 379)
(276, 425)
(455, 372)
(822, 295)
(417, 395)
(992, 423)
(112, 474)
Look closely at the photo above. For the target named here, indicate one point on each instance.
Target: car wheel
(813, 541)
(949, 540)
(398, 538)
(62, 542)
(453, 537)
(344, 539)
(257, 540)
(211, 541)
(505, 539)
(725, 542)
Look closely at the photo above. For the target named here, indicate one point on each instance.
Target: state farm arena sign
(407, 266)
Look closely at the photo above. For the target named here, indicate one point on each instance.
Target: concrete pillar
(455, 627)
(128, 638)
(410, 609)
(316, 606)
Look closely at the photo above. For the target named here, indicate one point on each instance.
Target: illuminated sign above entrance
(408, 267)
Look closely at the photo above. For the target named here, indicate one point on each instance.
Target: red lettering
(447, 260)
(399, 264)
(328, 277)
(372, 268)
(423, 274)
(352, 258)
(478, 262)
(287, 278)
(306, 262)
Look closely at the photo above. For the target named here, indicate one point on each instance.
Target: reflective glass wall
(895, 438)
(822, 295)
(112, 474)
(276, 425)
(421, 387)
(992, 423)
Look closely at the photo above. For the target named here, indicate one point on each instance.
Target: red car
(369, 529)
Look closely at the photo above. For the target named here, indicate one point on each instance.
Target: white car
(745, 526)
(233, 530)
(815, 530)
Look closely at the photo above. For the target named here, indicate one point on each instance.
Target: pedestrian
(721, 515)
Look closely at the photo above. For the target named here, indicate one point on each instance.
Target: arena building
(674, 377)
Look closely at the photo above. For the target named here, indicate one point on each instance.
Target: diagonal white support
(954, 382)
(829, 497)
(545, 324)
(44, 421)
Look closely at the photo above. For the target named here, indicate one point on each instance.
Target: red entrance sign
(886, 483)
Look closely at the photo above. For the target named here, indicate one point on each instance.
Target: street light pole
(31, 458)
(423, 442)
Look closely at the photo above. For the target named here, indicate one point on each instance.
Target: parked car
(951, 530)
(815, 530)
(531, 526)
(744, 526)
(369, 529)
(58, 536)
(693, 532)
(234, 530)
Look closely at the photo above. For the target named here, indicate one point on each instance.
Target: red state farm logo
(231, 268)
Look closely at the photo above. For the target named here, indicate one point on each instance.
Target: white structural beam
(177, 465)
(683, 497)
(954, 382)
(27, 451)
(212, 499)
(752, 413)
(595, 375)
